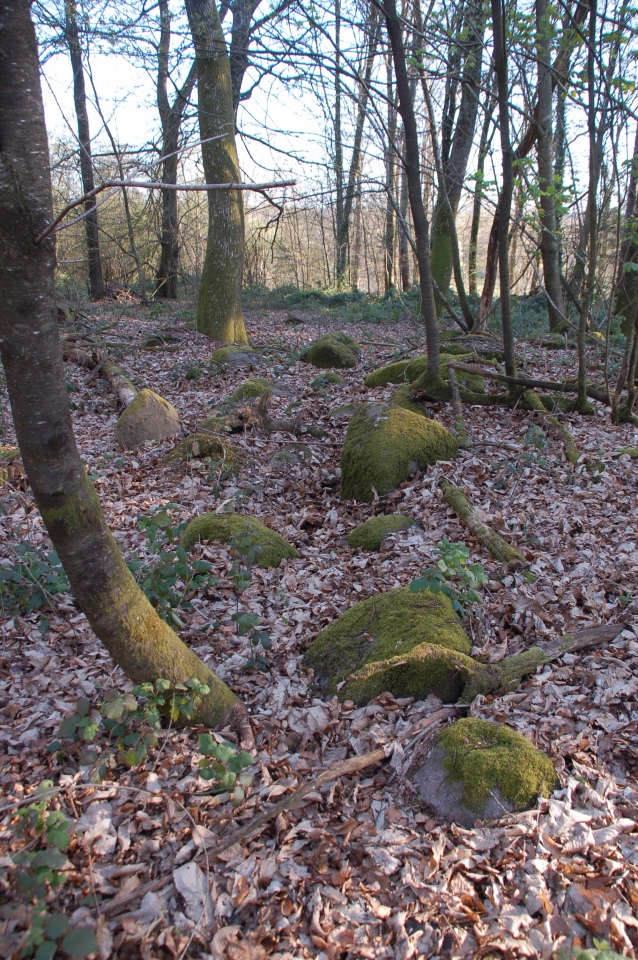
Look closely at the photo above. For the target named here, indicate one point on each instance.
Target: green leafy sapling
(245, 551)
(453, 576)
(224, 763)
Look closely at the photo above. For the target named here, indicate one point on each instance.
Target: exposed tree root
(499, 548)
(569, 386)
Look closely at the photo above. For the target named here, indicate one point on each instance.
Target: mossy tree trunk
(121, 616)
(219, 313)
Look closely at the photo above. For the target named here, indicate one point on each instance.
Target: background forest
(318, 500)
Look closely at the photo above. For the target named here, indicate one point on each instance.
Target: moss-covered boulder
(374, 646)
(333, 350)
(482, 769)
(257, 387)
(391, 373)
(328, 379)
(232, 356)
(385, 445)
(371, 534)
(273, 548)
(148, 417)
(401, 397)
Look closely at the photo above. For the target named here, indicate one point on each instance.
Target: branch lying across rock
(489, 538)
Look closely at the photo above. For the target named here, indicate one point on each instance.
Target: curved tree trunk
(96, 279)
(121, 616)
(219, 313)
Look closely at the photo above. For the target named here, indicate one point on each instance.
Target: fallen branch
(532, 401)
(489, 538)
(570, 386)
(353, 765)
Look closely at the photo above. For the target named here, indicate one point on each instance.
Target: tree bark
(455, 164)
(415, 195)
(119, 613)
(484, 146)
(171, 120)
(389, 232)
(96, 279)
(550, 242)
(219, 312)
(507, 188)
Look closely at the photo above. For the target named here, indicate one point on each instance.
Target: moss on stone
(371, 534)
(368, 645)
(385, 445)
(8, 454)
(401, 397)
(228, 526)
(468, 381)
(391, 373)
(197, 446)
(333, 350)
(257, 387)
(629, 451)
(147, 417)
(331, 377)
(233, 356)
(488, 756)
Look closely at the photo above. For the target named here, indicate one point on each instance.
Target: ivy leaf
(80, 942)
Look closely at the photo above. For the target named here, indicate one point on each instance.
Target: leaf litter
(359, 868)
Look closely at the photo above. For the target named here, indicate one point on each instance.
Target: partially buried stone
(148, 417)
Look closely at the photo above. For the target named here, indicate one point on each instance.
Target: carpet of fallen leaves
(359, 869)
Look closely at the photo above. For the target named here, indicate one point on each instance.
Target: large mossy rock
(333, 350)
(409, 371)
(148, 417)
(371, 534)
(482, 769)
(385, 445)
(401, 397)
(391, 373)
(273, 548)
(375, 645)
(257, 387)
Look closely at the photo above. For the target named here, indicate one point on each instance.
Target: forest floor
(359, 869)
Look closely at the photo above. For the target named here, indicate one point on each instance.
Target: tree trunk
(96, 279)
(389, 232)
(404, 242)
(550, 243)
(219, 312)
(343, 221)
(507, 189)
(415, 195)
(171, 120)
(455, 164)
(484, 147)
(121, 616)
(243, 12)
(526, 143)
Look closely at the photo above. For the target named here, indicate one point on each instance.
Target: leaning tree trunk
(219, 313)
(121, 616)
(96, 279)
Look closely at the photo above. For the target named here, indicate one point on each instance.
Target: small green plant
(453, 576)
(193, 371)
(173, 580)
(123, 727)
(245, 551)
(39, 870)
(595, 469)
(535, 443)
(30, 583)
(224, 763)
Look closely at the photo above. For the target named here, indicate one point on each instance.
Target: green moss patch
(391, 373)
(629, 451)
(257, 387)
(330, 378)
(8, 454)
(371, 534)
(401, 397)
(487, 757)
(385, 445)
(365, 651)
(228, 526)
(333, 350)
(232, 356)
(148, 417)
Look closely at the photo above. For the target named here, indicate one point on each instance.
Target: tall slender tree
(72, 36)
(121, 616)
